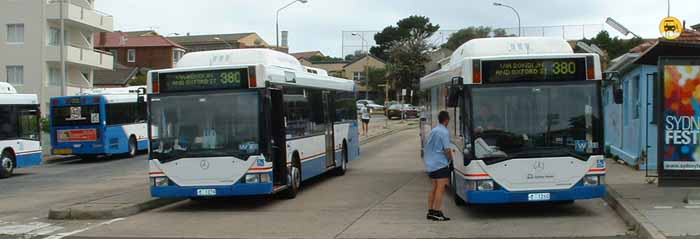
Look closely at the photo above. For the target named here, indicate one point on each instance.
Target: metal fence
(352, 40)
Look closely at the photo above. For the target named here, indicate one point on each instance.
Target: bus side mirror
(454, 91)
(618, 96)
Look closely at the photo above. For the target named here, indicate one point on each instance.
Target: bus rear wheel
(132, 147)
(340, 170)
(7, 165)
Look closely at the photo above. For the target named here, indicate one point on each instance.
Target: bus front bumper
(238, 189)
(503, 196)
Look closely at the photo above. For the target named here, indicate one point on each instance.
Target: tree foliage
(464, 35)
(613, 46)
(377, 77)
(405, 48)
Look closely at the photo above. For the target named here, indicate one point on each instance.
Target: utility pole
(62, 53)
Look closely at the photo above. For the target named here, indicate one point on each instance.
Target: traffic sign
(670, 28)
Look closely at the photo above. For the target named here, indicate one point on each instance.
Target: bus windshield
(536, 121)
(212, 125)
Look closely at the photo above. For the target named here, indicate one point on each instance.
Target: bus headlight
(252, 178)
(161, 181)
(265, 178)
(485, 185)
(591, 180)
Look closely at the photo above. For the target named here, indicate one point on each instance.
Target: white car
(370, 104)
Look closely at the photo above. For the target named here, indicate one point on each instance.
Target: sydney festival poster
(681, 120)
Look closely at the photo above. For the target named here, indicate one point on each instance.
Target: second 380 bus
(246, 122)
(527, 120)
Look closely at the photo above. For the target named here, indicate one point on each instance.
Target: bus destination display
(203, 80)
(534, 70)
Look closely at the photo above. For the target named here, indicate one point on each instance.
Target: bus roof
(275, 67)
(7, 88)
(9, 96)
(510, 46)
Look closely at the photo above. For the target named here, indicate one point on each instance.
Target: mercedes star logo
(539, 166)
(204, 164)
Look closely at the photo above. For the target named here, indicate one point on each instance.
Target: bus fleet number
(564, 68)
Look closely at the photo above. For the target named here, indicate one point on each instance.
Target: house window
(131, 55)
(634, 98)
(15, 75)
(177, 55)
(54, 36)
(15, 33)
(358, 76)
(54, 76)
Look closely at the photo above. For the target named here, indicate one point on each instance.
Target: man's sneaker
(438, 216)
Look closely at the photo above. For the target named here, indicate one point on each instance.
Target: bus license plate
(538, 197)
(206, 192)
(62, 151)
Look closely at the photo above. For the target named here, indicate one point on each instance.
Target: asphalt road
(382, 196)
(26, 197)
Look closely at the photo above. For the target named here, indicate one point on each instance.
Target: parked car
(410, 111)
(402, 111)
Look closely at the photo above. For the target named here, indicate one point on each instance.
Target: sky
(319, 24)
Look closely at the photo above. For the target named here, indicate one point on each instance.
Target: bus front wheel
(294, 180)
(7, 164)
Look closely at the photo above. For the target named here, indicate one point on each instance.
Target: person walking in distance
(364, 115)
(437, 159)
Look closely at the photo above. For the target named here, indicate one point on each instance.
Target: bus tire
(132, 147)
(340, 171)
(294, 179)
(458, 200)
(7, 163)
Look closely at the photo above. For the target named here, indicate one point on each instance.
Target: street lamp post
(277, 19)
(229, 44)
(516, 14)
(364, 42)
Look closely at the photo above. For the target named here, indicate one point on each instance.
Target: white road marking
(65, 234)
(692, 207)
(13, 230)
(663, 207)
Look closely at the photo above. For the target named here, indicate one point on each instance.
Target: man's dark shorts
(441, 173)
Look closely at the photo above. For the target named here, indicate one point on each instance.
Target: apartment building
(32, 56)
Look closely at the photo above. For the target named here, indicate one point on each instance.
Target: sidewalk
(377, 127)
(653, 211)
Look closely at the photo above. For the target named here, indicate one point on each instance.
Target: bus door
(278, 140)
(328, 114)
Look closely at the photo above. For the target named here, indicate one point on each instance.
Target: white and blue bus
(246, 122)
(526, 120)
(99, 122)
(20, 144)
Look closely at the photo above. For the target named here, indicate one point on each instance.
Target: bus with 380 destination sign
(527, 123)
(246, 122)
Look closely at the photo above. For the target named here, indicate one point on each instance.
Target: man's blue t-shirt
(434, 149)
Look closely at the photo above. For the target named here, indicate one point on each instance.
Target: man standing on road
(364, 115)
(437, 157)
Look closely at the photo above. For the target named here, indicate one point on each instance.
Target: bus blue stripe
(28, 160)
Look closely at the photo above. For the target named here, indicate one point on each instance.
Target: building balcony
(81, 56)
(79, 16)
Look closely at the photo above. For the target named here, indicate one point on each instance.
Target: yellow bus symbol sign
(671, 28)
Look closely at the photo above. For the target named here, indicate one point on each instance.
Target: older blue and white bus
(99, 122)
(20, 144)
(246, 122)
(526, 120)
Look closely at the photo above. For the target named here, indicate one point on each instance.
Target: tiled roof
(119, 76)
(688, 36)
(122, 39)
(306, 55)
(209, 38)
